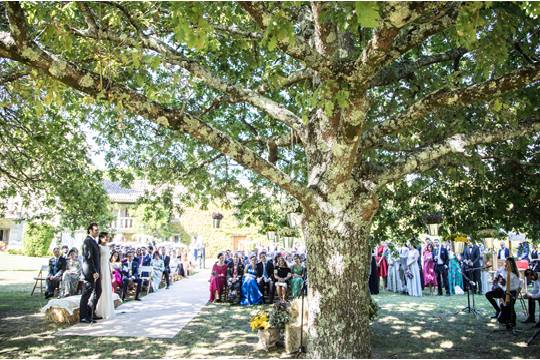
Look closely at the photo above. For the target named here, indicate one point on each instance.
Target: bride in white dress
(105, 305)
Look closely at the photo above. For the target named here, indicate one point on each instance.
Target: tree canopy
(335, 104)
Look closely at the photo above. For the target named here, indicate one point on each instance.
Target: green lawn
(406, 327)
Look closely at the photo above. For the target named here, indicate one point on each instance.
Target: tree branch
(452, 97)
(429, 157)
(300, 50)
(397, 35)
(399, 71)
(235, 92)
(89, 83)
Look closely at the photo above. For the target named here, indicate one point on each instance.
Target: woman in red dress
(382, 262)
(218, 278)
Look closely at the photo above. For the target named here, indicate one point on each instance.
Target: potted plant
(268, 336)
(459, 240)
(288, 235)
(489, 236)
(433, 221)
(216, 217)
(270, 231)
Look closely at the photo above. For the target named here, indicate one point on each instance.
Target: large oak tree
(330, 102)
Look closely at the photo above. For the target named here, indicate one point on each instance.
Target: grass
(406, 327)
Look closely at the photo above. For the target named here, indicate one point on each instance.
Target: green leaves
(367, 13)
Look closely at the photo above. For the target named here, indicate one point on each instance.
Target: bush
(15, 252)
(37, 239)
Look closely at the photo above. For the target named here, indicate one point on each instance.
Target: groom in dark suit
(90, 269)
(440, 256)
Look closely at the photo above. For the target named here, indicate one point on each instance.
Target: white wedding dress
(105, 305)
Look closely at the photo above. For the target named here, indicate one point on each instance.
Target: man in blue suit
(503, 253)
(130, 271)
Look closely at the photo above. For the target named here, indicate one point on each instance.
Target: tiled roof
(119, 194)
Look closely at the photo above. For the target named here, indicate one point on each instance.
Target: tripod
(469, 308)
(529, 342)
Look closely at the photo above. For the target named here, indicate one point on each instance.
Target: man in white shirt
(533, 295)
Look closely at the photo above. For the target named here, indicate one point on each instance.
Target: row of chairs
(44, 271)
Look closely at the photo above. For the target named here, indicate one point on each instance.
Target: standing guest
(157, 270)
(105, 304)
(523, 251)
(503, 253)
(430, 279)
(394, 281)
(382, 262)
(499, 291)
(217, 280)
(65, 250)
(180, 267)
(298, 275)
(373, 281)
(91, 271)
(455, 279)
(72, 275)
(414, 287)
(57, 266)
(251, 294)
(116, 266)
(167, 266)
(440, 257)
(471, 258)
(265, 276)
(403, 254)
(235, 271)
(419, 248)
(130, 272)
(535, 261)
(186, 265)
(282, 274)
(533, 295)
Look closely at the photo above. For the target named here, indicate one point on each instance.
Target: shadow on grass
(434, 327)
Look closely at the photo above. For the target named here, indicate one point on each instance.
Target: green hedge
(37, 239)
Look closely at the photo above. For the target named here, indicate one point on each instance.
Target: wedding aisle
(158, 315)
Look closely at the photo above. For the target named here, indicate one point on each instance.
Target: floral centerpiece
(488, 233)
(457, 237)
(288, 232)
(433, 218)
(268, 336)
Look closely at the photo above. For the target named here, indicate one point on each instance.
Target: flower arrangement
(260, 321)
(488, 233)
(217, 216)
(457, 237)
(269, 228)
(288, 232)
(434, 218)
(279, 316)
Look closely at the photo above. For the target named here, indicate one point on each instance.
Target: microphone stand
(301, 349)
(469, 308)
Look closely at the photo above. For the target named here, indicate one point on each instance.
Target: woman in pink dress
(382, 263)
(430, 279)
(218, 278)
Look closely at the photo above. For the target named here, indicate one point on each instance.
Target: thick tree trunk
(338, 262)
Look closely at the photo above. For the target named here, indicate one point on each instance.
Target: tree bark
(338, 263)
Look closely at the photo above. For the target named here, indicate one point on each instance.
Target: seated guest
(72, 275)
(523, 251)
(535, 261)
(251, 295)
(130, 272)
(298, 275)
(533, 295)
(265, 273)
(158, 267)
(499, 289)
(218, 278)
(235, 271)
(282, 274)
(57, 266)
(180, 267)
(116, 266)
